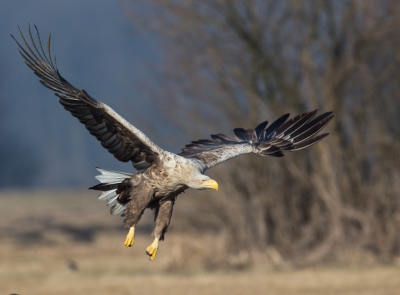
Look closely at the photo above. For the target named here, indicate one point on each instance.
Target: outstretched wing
(292, 135)
(120, 138)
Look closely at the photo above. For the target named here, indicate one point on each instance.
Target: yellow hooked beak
(211, 184)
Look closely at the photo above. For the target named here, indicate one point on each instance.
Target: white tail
(109, 181)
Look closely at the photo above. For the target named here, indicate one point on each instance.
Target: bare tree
(231, 63)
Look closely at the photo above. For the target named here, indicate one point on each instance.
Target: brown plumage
(160, 175)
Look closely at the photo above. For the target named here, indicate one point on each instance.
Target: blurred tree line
(235, 63)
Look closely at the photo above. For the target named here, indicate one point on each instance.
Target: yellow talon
(130, 237)
(152, 250)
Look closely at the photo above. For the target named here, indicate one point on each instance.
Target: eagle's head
(202, 181)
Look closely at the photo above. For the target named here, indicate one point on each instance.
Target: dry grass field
(67, 243)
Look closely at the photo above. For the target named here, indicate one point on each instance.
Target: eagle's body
(160, 175)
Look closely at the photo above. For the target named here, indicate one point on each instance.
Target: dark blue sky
(98, 49)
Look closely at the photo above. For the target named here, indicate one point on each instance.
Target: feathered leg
(162, 218)
(134, 211)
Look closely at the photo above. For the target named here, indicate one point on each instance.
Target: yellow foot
(152, 250)
(130, 237)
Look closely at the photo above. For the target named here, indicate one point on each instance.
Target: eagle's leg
(162, 217)
(130, 237)
(134, 211)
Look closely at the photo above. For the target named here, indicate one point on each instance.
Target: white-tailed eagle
(160, 175)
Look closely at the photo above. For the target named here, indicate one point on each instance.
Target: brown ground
(66, 243)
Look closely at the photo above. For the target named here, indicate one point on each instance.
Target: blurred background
(180, 71)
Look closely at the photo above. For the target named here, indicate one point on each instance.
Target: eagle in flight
(160, 175)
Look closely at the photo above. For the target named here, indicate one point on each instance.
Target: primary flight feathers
(119, 137)
(293, 135)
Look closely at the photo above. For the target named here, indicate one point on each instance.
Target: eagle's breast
(170, 174)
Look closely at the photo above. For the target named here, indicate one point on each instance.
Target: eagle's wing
(120, 138)
(293, 135)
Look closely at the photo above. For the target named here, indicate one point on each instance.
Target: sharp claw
(152, 255)
(128, 243)
(152, 250)
(130, 238)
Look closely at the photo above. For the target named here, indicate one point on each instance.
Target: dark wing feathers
(260, 128)
(271, 130)
(292, 125)
(306, 143)
(120, 138)
(240, 134)
(312, 127)
(224, 138)
(292, 135)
